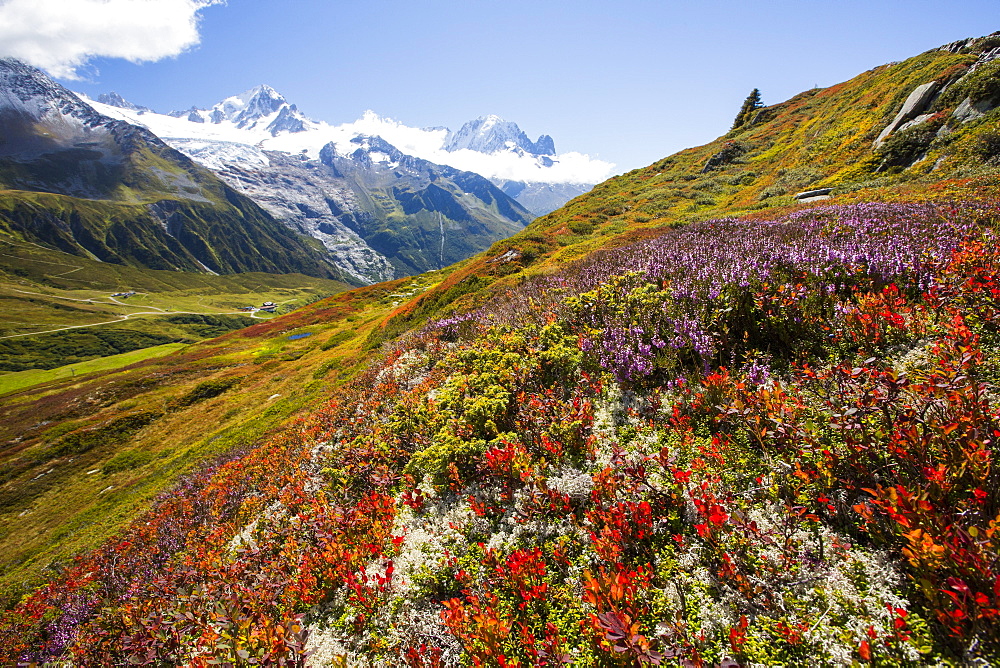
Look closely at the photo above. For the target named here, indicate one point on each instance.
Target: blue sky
(628, 81)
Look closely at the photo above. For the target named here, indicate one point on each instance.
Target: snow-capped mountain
(264, 119)
(381, 213)
(53, 141)
(259, 107)
(490, 134)
(91, 184)
(376, 193)
(27, 97)
(116, 100)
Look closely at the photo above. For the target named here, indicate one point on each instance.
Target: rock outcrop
(918, 101)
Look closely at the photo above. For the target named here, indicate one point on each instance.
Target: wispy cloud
(60, 36)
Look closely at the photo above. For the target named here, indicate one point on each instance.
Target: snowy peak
(289, 119)
(491, 134)
(259, 107)
(249, 107)
(115, 100)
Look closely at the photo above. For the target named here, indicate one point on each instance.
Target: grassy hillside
(150, 417)
(823, 138)
(58, 308)
(686, 420)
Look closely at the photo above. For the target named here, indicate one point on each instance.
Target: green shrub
(203, 391)
(904, 148)
(126, 461)
(118, 430)
(982, 84)
(337, 339)
(988, 147)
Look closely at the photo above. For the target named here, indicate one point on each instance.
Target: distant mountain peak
(113, 99)
(490, 134)
(250, 108)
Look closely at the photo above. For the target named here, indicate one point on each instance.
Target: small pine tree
(750, 105)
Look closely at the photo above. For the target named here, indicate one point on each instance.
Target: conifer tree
(750, 105)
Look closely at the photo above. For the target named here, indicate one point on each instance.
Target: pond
(303, 335)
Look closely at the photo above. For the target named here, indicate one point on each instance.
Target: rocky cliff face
(380, 213)
(313, 199)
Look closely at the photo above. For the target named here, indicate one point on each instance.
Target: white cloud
(569, 167)
(221, 141)
(60, 36)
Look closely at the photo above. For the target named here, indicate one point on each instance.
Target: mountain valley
(735, 408)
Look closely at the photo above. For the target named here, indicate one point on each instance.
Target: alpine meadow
(738, 408)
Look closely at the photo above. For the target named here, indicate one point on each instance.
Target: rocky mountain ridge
(263, 118)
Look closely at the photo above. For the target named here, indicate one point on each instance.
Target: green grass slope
(59, 308)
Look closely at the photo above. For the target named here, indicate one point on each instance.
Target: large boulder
(915, 104)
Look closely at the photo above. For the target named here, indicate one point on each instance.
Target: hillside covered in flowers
(764, 439)
(741, 443)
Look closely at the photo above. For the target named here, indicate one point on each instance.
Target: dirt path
(124, 318)
(91, 300)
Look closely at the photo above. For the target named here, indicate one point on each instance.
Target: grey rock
(915, 103)
(970, 111)
(817, 192)
(922, 118)
(959, 46)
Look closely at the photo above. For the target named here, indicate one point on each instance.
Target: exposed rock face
(922, 118)
(915, 103)
(313, 199)
(970, 111)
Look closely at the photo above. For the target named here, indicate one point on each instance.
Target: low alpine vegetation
(746, 442)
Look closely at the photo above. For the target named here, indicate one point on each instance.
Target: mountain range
(356, 212)
(262, 118)
(91, 185)
(233, 135)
